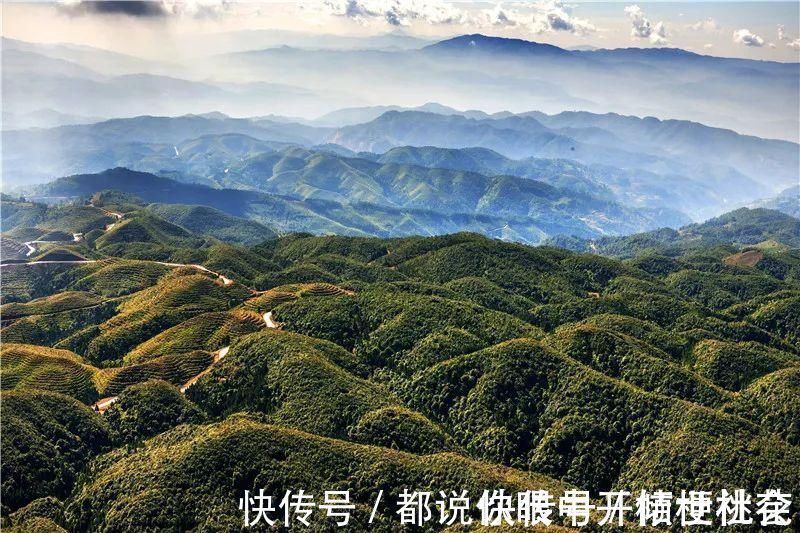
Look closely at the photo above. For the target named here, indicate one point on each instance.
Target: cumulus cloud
(747, 38)
(395, 12)
(539, 17)
(708, 46)
(643, 28)
(145, 9)
(559, 17)
(197, 8)
(500, 16)
(535, 17)
(659, 35)
(794, 44)
(709, 25)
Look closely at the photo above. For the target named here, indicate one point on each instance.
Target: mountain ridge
(288, 213)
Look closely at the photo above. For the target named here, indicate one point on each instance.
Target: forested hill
(325, 194)
(455, 362)
(744, 227)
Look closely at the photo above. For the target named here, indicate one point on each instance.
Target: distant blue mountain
(484, 44)
(478, 43)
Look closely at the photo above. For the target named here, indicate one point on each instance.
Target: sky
(173, 29)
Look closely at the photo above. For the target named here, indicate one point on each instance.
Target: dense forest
(158, 360)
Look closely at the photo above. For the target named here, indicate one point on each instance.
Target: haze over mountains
(308, 136)
(466, 72)
(648, 164)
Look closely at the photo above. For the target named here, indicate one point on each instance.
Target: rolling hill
(644, 162)
(307, 194)
(668, 147)
(213, 222)
(215, 292)
(787, 201)
(437, 361)
(754, 227)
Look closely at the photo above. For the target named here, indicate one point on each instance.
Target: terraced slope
(30, 367)
(173, 300)
(12, 250)
(209, 331)
(26, 366)
(63, 301)
(176, 369)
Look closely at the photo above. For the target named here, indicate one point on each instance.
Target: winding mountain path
(114, 214)
(56, 262)
(223, 279)
(103, 404)
(77, 237)
(270, 322)
(218, 356)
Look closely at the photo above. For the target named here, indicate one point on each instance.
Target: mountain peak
(490, 44)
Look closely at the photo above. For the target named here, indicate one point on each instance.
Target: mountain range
(466, 71)
(507, 207)
(645, 163)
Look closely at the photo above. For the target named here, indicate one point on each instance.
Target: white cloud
(747, 38)
(395, 12)
(554, 15)
(197, 8)
(659, 35)
(794, 44)
(535, 17)
(709, 25)
(708, 46)
(643, 28)
(499, 16)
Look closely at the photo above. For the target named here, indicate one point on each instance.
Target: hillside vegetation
(298, 190)
(365, 363)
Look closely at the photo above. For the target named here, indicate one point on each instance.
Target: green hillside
(214, 223)
(47, 440)
(147, 409)
(741, 227)
(145, 229)
(298, 190)
(69, 219)
(229, 455)
(364, 363)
